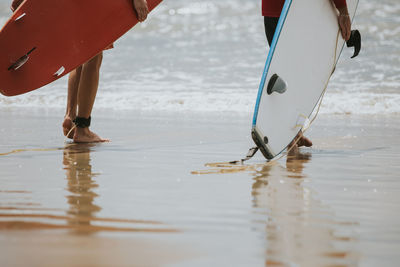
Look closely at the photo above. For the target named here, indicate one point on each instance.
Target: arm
(343, 19)
(15, 4)
(141, 9)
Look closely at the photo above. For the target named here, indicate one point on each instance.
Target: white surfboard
(303, 55)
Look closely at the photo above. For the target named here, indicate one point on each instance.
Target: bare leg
(87, 90)
(70, 113)
(88, 85)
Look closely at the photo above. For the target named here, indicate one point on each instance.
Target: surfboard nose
(276, 84)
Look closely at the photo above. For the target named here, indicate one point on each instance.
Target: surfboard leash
(304, 129)
(15, 151)
(70, 131)
(253, 150)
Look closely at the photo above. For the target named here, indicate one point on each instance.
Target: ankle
(69, 116)
(82, 122)
(82, 131)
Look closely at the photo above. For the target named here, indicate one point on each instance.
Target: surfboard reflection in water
(299, 228)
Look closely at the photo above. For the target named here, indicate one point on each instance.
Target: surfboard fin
(20, 17)
(261, 143)
(60, 71)
(355, 41)
(276, 84)
(21, 61)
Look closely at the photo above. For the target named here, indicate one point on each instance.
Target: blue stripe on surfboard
(278, 30)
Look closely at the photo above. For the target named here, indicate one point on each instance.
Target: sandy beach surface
(162, 193)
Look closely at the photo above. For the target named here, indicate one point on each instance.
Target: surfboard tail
(261, 143)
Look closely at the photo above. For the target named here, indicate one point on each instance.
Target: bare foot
(84, 135)
(301, 141)
(304, 141)
(67, 126)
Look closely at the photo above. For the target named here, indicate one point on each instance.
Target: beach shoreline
(157, 181)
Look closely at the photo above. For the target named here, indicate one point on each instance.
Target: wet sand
(54, 248)
(155, 196)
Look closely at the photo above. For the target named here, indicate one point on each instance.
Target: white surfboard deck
(302, 53)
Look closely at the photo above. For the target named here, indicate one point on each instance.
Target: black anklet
(82, 122)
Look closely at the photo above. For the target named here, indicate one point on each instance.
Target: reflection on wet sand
(80, 184)
(299, 230)
(81, 197)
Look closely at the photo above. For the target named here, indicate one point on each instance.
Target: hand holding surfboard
(141, 9)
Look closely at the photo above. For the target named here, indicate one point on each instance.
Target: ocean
(208, 56)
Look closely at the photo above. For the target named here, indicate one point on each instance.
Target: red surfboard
(46, 39)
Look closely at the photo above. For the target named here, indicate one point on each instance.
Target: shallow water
(333, 205)
(209, 56)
